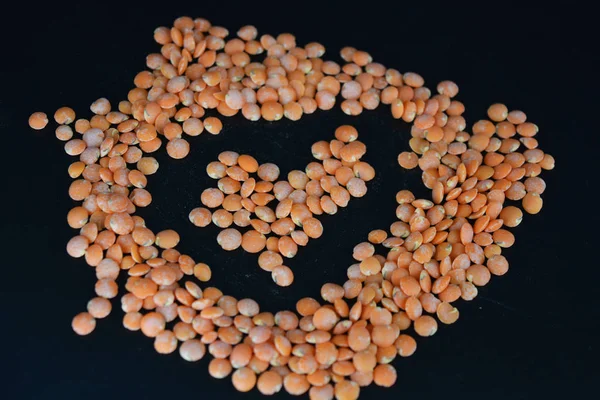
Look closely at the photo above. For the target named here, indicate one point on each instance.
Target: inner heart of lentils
(438, 251)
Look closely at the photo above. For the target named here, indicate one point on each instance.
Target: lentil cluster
(320, 189)
(404, 281)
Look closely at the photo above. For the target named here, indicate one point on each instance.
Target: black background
(528, 333)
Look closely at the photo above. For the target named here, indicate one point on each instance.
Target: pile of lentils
(438, 251)
(340, 174)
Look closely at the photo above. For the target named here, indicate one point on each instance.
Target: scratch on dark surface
(501, 304)
(278, 144)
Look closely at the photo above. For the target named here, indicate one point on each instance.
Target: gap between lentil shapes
(439, 250)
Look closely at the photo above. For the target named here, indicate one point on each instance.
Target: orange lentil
(152, 324)
(192, 350)
(532, 203)
(165, 342)
(512, 216)
(167, 239)
(446, 313)
(346, 390)
(200, 216)
(83, 323)
(38, 120)
(425, 326)
(229, 239)
(498, 112)
(213, 125)
(219, 368)
(271, 111)
(384, 375)
(269, 383)
(282, 275)
(244, 379)
(408, 160)
(253, 242)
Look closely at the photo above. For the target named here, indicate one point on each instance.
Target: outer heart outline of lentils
(436, 254)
